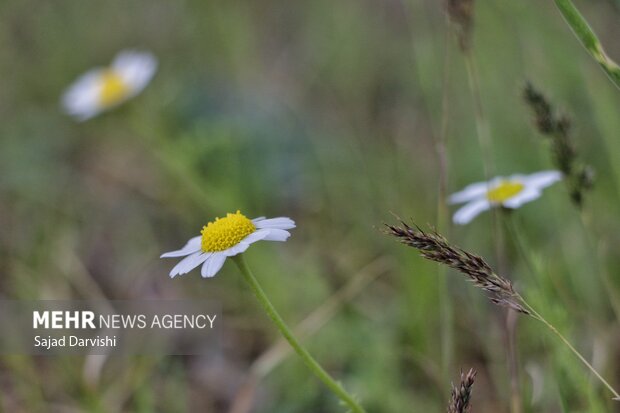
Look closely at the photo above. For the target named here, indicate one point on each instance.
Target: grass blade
(588, 39)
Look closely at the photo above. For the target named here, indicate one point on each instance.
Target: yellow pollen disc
(113, 88)
(224, 233)
(504, 191)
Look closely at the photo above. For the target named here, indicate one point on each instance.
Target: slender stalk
(516, 405)
(540, 318)
(499, 290)
(486, 150)
(482, 126)
(324, 376)
(510, 322)
(588, 39)
(532, 267)
(443, 215)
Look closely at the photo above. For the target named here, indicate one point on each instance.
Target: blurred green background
(327, 112)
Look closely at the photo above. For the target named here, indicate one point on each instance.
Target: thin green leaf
(588, 39)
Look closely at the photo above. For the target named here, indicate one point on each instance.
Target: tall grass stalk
(498, 289)
(461, 13)
(526, 254)
(580, 27)
(439, 141)
(567, 343)
(443, 215)
(486, 148)
(482, 126)
(510, 325)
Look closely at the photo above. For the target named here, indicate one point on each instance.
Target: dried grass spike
(435, 247)
(557, 127)
(461, 395)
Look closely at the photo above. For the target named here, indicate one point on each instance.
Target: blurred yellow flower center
(224, 233)
(113, 88)
(504, 191)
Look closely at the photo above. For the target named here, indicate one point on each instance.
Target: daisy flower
(100, 89)
(227, 237)
(510, 192)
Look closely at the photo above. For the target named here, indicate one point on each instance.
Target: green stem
(588, 39)
(510, 324)
(533, 268)
(443, 218)
(570, 346)
(482, 126)
(332, 384)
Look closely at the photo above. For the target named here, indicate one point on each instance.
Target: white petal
(212, 265)
(543, 179)
(255, 220)
(192, 246)
(237, 249)
(279, 223)
(468, 212)
(256, 236)
(81, 99)
(85, 114)
(527, 195)
(470, 192)
(189, 263)
(135, 68)
(277, 234)
(521, 178)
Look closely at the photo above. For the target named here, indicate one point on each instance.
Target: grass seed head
(461, 395)
(557, 128)
(434, 247)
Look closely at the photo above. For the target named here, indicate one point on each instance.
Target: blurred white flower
(509, 192)
(100, 89)
(227, 237)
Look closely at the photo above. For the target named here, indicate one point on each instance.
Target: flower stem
(332, 384)
(570, 346)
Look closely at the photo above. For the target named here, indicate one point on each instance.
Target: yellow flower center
(224, 233)
(504, 191)
(113, 88)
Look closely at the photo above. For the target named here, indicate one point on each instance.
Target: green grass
(326, 112)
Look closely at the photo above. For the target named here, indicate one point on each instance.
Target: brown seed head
(461, 395)
(434, 247)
